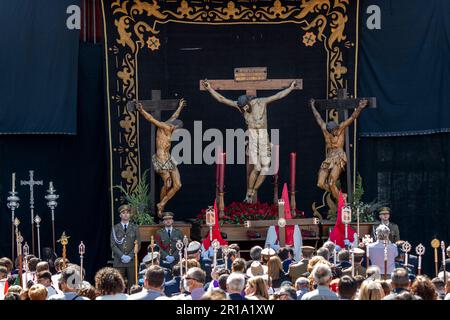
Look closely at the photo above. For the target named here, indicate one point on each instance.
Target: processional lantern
(210, 220)
(346, 216)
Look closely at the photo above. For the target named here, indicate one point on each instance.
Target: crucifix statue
(254, 111)
(163, 162)
(31, 183)
(336, 136)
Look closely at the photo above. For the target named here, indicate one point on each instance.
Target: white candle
(13, 182)
(406, 259)
(420, 263)
(51, 186)
(443, 253)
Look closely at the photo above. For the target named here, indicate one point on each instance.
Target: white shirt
(169, 229)
(124, 225)
(118, 296)
(376, 255)
(2, 288)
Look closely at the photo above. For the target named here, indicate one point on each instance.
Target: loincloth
(335, 158)
(169, 165)
(258, 148)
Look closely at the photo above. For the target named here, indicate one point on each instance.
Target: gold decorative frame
(321, 21)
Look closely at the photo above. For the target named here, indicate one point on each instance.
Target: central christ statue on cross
(254, 111)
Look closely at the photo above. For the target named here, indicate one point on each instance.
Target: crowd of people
(323, 274)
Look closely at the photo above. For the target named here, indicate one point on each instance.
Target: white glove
(346, 242)
(170, 259)
(125, 259)
(275, 247)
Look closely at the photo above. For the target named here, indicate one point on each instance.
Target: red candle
(218, 155)
(222, 171)
(293, 157)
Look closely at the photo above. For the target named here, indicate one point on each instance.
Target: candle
(293, 157)
(335, 254)
(276, 161)
(222, 171)
(51, 186)
(13, 182)
(218, 153)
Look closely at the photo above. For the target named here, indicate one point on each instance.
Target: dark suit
(236, 296)
(166, 244)
(296, 270)
(122, 243)
(172, 287)
(394, 234)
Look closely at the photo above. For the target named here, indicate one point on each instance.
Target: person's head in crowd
(344, 256)
(32, 264)
(193, 263)
(307, 252)
(151, 259)
(135, 289)
(287, 293)
(424, 288)
(42, 266)
(232, 255)
(346, 288)
(336, 272)
(223, 281)
(322, 274)
(323, 252)
(400, 279)
(447, 287)
(38, 292)
(44, 278)
(15, 289)
(176, 270)
(315, 260)
(302, 283)
(256, 287)
(193, 250)
(255, 253)
(330, 246)
(387, 289)
(3, 272)
(405, 295)
(439, 285)
(235, 283)
(266, 254)
(359, 280)
(154, 278)
(235, 247)
(382, 232)
(195, 279)
(374, 272)
(109, 281)
(285, 253)
(69, 279)
(216, 294)
(371, 290)
(7, 263)
(238, 265)
(275, 267)
(59, 264)
(87, 291)
(24, 294)
(12, 296)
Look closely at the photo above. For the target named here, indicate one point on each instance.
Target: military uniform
(122, 243)
(298, 269)
(394, 234)
(167, 243)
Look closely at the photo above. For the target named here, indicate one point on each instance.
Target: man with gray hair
(322, 278)
(376, 250)
(302, 287)
(255, 255)
(331, 248)
(235, 286)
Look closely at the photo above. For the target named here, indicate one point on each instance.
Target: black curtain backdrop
(412, 175)
(38, 64)
(406, 66)
(77, 167)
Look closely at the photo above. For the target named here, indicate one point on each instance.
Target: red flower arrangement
(239, 212)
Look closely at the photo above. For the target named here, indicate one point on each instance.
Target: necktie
(168, 232)
(125, 227)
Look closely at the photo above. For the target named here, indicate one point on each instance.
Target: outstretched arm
(150, 118)
(176, 114)
(317, 115)
(218, 96)
(355, 114)
(281, 94)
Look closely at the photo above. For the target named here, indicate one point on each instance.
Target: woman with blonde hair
(256, 289)
(275, 271)
(371, 290)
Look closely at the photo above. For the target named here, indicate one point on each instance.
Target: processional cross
(281, 222)
(154, 107)
(251, 80)
(342, 104)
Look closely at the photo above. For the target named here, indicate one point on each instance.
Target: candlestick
(293, 157)
(335, 254)
(406, 247)
(443, 261)
(420, 250)
(13, 182)
(435, 245)
(186, 244)
(179, 246)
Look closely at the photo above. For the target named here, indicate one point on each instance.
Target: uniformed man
(384, 215)
(194, 252)
(123, 236)
(166, 238)
(296, 270)
(149, 260)
(358, 254)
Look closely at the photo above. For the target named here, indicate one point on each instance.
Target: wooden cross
(251, 80)
(154, 107)
(341, 104)
(281, 223)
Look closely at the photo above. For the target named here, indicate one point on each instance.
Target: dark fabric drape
(38, 66)
(412, 175)
(77, 167)
(405, 65)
